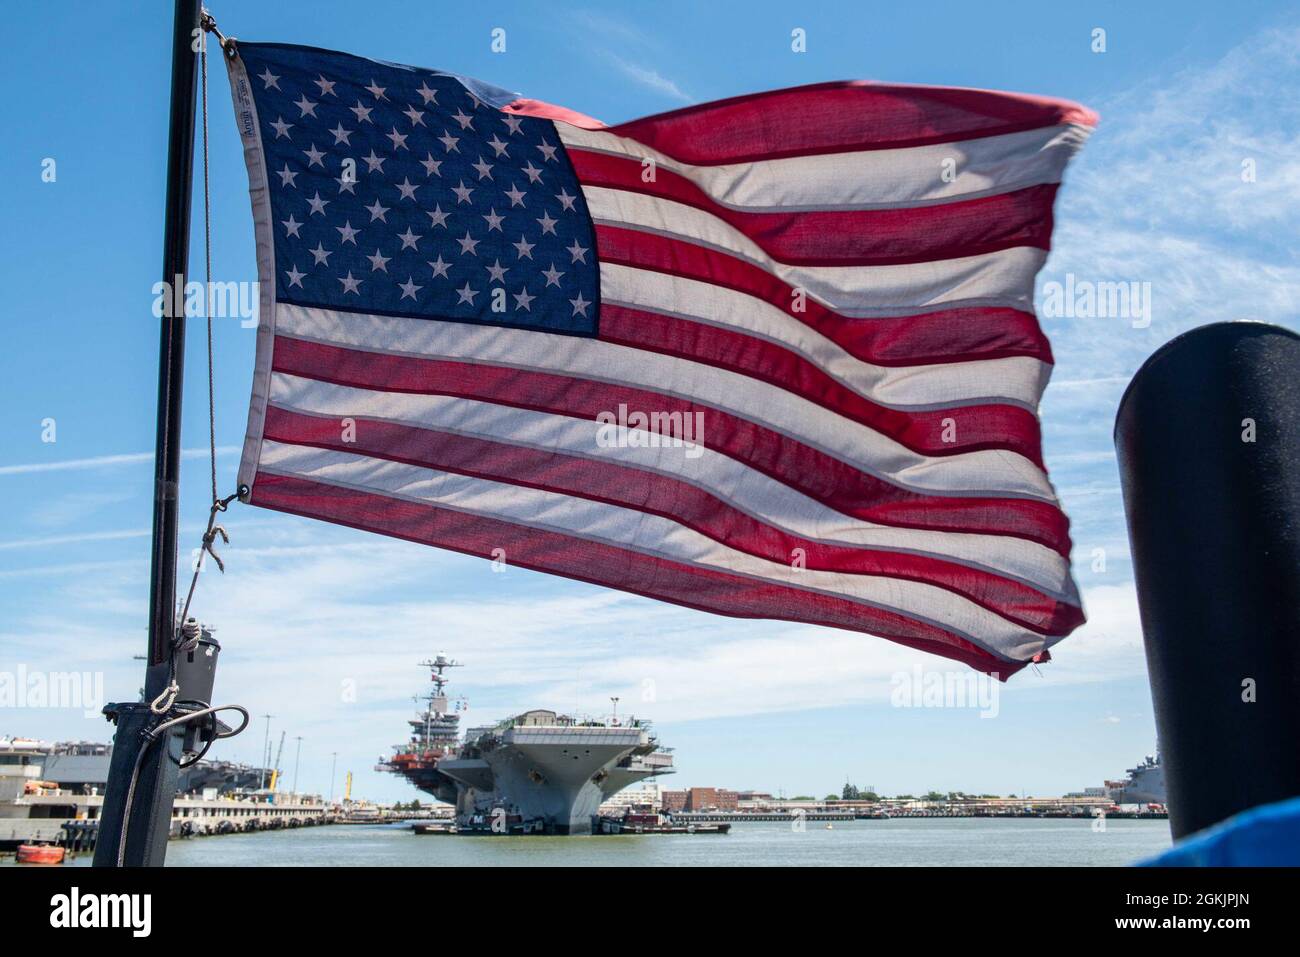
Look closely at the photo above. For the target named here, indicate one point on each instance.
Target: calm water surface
(901, 842)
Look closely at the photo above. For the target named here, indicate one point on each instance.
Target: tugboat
(40, 854)
(644, 819)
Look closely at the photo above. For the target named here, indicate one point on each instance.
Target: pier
(777, 810)
(72, 820)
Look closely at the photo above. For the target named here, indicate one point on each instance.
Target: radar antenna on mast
(436, 729)
(436, 666)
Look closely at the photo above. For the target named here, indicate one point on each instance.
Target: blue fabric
(458, 211)
(1267, 836)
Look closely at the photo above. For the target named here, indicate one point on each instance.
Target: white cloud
(105, 461)
(1108, 646)
(310, 619)
(74, 539)
(627, 48)
(1157, 196)
(650, 78)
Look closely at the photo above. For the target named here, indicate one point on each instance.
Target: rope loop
(163, 703)
(211, 536)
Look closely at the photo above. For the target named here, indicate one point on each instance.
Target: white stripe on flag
(1018, 380)
(749, 491)
(866, 179)
(1004, 277)
(647, 534)
(988, 472)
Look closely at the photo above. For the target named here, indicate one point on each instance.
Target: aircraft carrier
(539, 772)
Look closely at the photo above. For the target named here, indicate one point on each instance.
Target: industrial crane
(275, 773)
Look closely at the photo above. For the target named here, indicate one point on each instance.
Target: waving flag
(769, 357)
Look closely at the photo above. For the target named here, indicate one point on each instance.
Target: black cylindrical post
(1208, 441)
(154, 776)
(171, 344)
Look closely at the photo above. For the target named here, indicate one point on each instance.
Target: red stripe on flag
(600, 564)
(606, 481)
(957, 334)
(985, 426)
(815, 473)
(852, 237)
(843, 116)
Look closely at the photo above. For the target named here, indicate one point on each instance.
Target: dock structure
(73, 819)
(794, 814)
(786, 810)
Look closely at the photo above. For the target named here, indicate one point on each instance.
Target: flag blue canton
(395, 191)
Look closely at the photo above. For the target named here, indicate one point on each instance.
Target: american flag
(769, 357)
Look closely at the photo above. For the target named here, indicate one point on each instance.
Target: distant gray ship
(81, 767)
(539, 772)
(1145, 784)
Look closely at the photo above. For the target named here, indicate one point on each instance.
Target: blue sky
(312, 616)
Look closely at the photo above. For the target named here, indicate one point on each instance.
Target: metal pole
(297, 754)
(333, 767)
(171, 345)
(155, 778)
(1208, 442)
(266, 751)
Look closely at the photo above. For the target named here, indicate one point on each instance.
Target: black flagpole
(171, 344)
(154, 775)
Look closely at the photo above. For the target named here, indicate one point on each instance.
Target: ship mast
(437, 698)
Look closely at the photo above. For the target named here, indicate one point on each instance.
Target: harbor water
(934, 842)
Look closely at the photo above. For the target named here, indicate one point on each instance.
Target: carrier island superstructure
(539, 772)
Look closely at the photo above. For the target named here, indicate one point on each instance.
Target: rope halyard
(207, 262)
(219, 504)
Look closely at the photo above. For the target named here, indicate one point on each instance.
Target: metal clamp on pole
(228, 44)
(154, 741)
(1208, 441)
